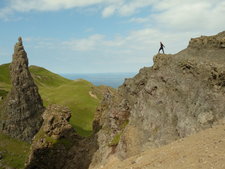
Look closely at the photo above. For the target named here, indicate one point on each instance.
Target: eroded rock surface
(57, 146)
(178, 96)
(51, 143)
(22, 109)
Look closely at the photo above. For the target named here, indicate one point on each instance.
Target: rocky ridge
(22, 109)
(178, 96)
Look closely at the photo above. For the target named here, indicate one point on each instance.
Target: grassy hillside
(45, 78)
(14, 152)
(4, 75)
(55, 89)
(75, 95)
(80, 96)
(4, 78)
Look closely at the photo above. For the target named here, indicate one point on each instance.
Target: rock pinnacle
(23, 107)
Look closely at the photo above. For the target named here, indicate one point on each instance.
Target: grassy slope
(76, 96)
(55, 89)
(45, 78)
(4, 77)
(14, 152)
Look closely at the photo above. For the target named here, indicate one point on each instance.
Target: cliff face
(178, 96)
(22, 109)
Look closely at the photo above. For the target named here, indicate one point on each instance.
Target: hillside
(45, 78)
(4, 80)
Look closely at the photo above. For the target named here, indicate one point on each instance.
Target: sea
(109, 79)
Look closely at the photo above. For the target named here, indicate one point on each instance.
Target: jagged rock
(178, 96)
(57, 146)
(110, 119)
(22, 109)
(51, 143)
(209, 42)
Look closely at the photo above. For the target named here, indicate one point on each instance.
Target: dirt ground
(204, 150)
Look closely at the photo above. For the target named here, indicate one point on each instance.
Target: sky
(100, 36)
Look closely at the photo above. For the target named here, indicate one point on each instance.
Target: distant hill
(109, 79)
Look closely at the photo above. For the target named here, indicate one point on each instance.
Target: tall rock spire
(22, 110)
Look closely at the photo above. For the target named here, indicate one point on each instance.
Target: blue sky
(99, 36)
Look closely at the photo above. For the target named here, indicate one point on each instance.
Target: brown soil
(205, 150)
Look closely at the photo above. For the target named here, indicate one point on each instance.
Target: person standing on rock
(161, 47)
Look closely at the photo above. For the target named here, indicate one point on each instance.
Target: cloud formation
(181, 14)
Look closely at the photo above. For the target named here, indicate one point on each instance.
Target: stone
(57, 146)
(205, 117)
(46, 150)
(23, 106)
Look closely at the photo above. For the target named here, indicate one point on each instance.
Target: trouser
(161, 49)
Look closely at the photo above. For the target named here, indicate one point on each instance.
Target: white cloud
(108, 11)
(130, 7)
(139, 20)
(139, 43)
(49, 5)
(192, 15)
(5, 12)
(86, 44)
(178, 14)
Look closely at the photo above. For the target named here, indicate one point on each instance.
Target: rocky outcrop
(57, 146)
(51, 143)
(208, 42)
(22, 109)
(178, 96)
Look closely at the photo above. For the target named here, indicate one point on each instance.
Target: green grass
(14, 152)
(55, 89)
(54, 142)
(4, 75)
(116, 139)
(3, 92)
(74, 95)
(45, 78)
